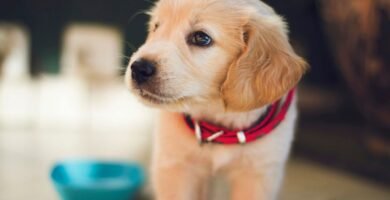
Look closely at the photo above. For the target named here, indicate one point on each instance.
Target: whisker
(125, 57)
(136, 14)
(130, 45)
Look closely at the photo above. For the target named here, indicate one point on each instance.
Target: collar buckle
(241, 137)
(198, 132)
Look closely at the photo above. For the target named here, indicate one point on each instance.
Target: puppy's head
(235, 52)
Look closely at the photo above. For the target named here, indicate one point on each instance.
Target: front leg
(251, 184)
(180, 166)
(178, 182)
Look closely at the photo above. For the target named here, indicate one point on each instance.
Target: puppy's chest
(225, 156)
(222, 156)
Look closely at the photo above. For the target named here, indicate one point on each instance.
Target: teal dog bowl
(83, 180)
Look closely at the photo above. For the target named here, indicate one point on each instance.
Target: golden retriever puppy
(222, 65)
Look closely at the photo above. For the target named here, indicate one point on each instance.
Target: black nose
(142, 70)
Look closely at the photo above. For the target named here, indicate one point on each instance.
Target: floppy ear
(266, 69)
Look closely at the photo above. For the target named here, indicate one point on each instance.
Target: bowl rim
(139, 179)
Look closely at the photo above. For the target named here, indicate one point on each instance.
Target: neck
(215, 113)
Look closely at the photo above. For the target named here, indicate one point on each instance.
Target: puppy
(218, 64)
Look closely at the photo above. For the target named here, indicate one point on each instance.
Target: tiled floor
(26, 158)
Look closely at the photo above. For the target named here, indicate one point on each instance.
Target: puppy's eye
(200, 39)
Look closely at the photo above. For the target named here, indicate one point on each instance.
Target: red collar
(206, 132)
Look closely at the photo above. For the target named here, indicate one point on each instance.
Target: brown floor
(307, 180)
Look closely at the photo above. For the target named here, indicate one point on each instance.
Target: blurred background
(62, 94)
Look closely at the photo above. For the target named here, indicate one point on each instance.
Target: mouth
(159, 99)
